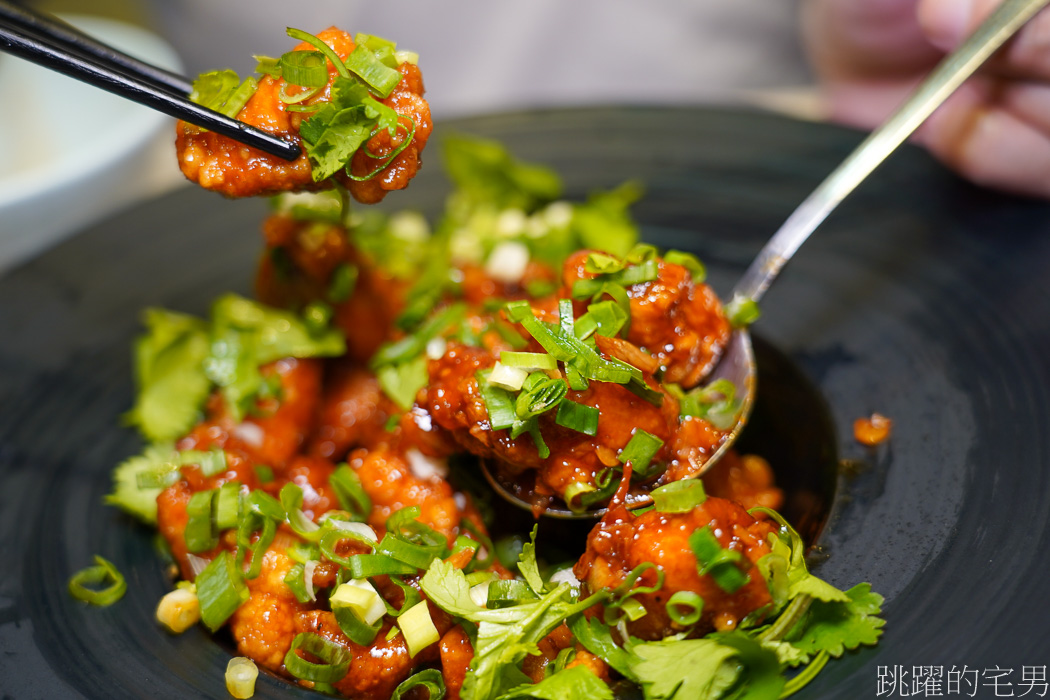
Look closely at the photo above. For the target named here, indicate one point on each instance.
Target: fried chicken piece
(221, 164)
(623, 541)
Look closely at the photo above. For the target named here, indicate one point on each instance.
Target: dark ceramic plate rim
(920, 298)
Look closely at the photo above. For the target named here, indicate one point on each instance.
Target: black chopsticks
(60, 47)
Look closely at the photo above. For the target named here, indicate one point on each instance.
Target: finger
(946, 23)
(987, 143)
(856, 38)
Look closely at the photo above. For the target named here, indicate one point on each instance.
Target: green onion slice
(335, 659)
(368, 565)
(351, 494)
(419, 556)
(322, 47)
(685, 608)
(96, 575)
(498, 402)
(507, 593)
(200, 535)
(528, 360)
(578, 417)
(295, 579)
(679, 496)
(292, 501)
(307, 69)
(742, 311)
(720, 564)
(356, 629)
(640, 449)
(689, 262)
(430, 679)
(220, 590)
(363, 63)
(227, 505)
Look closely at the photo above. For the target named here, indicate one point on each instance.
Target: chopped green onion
(268, 65)
(368, 565)
(356, 630)
(528, 360)
(539, 394)
(406, 57)
(263, 473)
(566, 319)
(684, 608)
(305, 68)
(507, 377)
(96, 575)
(363, 63)
(210, 462)
(292, 502)
(498, 402)
(250, 521)
(602, 264)
(179, 610)
(689, 262)
(742, 311)
(342, 283)
(712, 560)
(199, 534)
(574, 493)
(418, 628)
(415, 555)
(505, 593)
(220, 590)
(537, 438)
(335, 659)
(331, 539)
(227, 505)
(633, 609)
(351, 494)
(679, 496)
(241, 674)
(373, 42)
(322, 47)
(362, 598)
(430, 679)
(302, 552)
(605, 318)
(405, 523)
(607, 480)
(640, 449)
(295, 579)
(640, 253)
(236, 101)
(578, 417)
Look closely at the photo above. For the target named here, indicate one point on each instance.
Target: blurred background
(477, 56)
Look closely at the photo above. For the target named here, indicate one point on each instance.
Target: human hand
(995, 130)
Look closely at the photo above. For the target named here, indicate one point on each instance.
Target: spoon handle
(1010, 16)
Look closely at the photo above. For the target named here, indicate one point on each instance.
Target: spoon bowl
(737, 363)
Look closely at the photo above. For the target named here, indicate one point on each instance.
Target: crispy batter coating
(265, 626)
(221, 164)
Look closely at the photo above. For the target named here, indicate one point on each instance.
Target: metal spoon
(738, 361)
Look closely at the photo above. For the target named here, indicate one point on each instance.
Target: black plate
(922, 298)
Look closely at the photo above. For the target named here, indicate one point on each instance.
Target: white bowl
(70, 153)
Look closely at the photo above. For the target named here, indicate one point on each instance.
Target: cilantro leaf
(127, 495)
(697, 669)
(839, 626)
(719, 666)
(172, 386)
(527, 565)
(574, 683)
(596, 637)
(505, 635)
(818, 589)
(485, 172)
